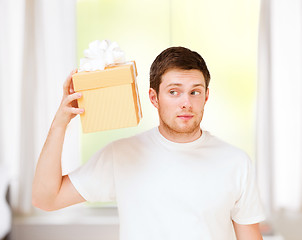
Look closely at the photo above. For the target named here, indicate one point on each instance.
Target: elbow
(35, 202)
(41, 204)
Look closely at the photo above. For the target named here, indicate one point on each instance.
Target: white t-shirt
(169, 191)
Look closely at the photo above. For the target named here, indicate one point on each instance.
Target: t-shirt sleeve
(94, 180)
(248, 207)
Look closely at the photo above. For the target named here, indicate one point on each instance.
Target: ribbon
(101, 54)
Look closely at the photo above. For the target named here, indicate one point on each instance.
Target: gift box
(110, 97)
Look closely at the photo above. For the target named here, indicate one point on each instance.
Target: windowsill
(278, 237)
(78, 220)
(71, 223)
(77, 214)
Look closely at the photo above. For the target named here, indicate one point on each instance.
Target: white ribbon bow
(101, 54)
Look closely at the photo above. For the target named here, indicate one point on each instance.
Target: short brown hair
(176, 58)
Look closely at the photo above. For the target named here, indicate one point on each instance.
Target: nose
(185, 102)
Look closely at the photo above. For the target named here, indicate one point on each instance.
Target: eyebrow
(179, 85)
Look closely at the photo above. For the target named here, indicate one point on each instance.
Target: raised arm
(51, 190)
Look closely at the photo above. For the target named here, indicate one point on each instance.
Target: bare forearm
(48, 176)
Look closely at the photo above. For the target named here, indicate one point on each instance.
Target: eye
(195, 93)
(173, 92)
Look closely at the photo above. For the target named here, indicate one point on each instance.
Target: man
(174, 181)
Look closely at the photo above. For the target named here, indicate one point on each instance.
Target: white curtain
(279, 123)
(37, 52)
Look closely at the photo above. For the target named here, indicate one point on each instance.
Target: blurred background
(254, 54)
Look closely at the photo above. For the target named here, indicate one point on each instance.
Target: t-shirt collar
(179, 146)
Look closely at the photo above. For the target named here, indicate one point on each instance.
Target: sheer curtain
(37, 52)
(279, 130)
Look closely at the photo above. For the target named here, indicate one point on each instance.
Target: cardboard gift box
(110, 97)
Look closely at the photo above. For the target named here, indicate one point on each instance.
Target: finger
(76, 110)
(73, 97)
(71, 88)
(68, 81)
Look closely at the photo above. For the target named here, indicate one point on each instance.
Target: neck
(180, 137)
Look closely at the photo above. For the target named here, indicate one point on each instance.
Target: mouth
(185, 116)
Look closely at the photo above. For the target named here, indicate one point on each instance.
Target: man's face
(181, 100)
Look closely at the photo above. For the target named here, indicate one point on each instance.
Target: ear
(207, 96)
(153, 97)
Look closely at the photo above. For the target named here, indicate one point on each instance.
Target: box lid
(115, 74)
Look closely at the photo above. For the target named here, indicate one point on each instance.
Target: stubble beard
(175, 129)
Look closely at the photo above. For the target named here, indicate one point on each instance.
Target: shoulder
(123, 145)
(227, 150)
(135, 140)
